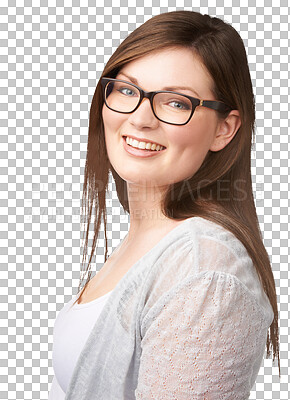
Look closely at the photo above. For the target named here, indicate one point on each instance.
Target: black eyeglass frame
(212, 104)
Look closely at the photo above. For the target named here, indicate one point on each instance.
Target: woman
(181, 309)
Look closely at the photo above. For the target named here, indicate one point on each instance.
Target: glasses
(169, 107)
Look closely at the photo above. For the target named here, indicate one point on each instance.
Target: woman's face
(186, 145)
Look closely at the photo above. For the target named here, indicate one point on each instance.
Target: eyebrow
(170, 88)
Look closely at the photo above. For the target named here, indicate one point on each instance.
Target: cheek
(110, 126)
(107, 118)
(191, 145)
(196, 136)
(112, 122)
(108, 130)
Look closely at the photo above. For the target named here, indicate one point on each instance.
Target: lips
(141, 153)
(143, 140)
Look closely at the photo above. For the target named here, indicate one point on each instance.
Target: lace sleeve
(204, 339)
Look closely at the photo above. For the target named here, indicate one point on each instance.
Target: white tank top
(72, 327)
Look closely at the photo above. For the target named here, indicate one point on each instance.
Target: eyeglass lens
(169, 107)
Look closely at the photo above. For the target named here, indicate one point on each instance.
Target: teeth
(143, 145)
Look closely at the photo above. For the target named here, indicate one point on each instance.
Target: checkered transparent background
(52, 54)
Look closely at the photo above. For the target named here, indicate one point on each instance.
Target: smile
(143, 145)
(142, 151)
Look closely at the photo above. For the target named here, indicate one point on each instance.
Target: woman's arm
(204, 339)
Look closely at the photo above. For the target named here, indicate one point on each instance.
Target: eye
(179, 105)
(127, 91)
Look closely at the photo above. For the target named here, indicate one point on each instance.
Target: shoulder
(199, 245)
(202, 257)
(202, 229)
(216, 246)
(219, 251)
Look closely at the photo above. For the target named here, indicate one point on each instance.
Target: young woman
(181, 309)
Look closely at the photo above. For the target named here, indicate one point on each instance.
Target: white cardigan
(189, 320)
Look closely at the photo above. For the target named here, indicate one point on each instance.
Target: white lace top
(189, 320)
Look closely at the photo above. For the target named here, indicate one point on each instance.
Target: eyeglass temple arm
(215, 105)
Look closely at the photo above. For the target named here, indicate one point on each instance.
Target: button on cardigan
(189, 320)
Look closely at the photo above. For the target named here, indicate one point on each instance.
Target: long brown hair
(222, 51)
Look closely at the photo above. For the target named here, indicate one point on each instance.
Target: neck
(145, 209)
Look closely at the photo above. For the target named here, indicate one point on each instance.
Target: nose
(143, 117)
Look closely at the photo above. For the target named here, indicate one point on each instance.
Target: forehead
(170, 67)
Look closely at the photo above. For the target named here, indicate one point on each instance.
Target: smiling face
(186, 145)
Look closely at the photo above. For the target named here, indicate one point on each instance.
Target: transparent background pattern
(52, 54)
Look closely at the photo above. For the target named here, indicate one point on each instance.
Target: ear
(226, 130)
